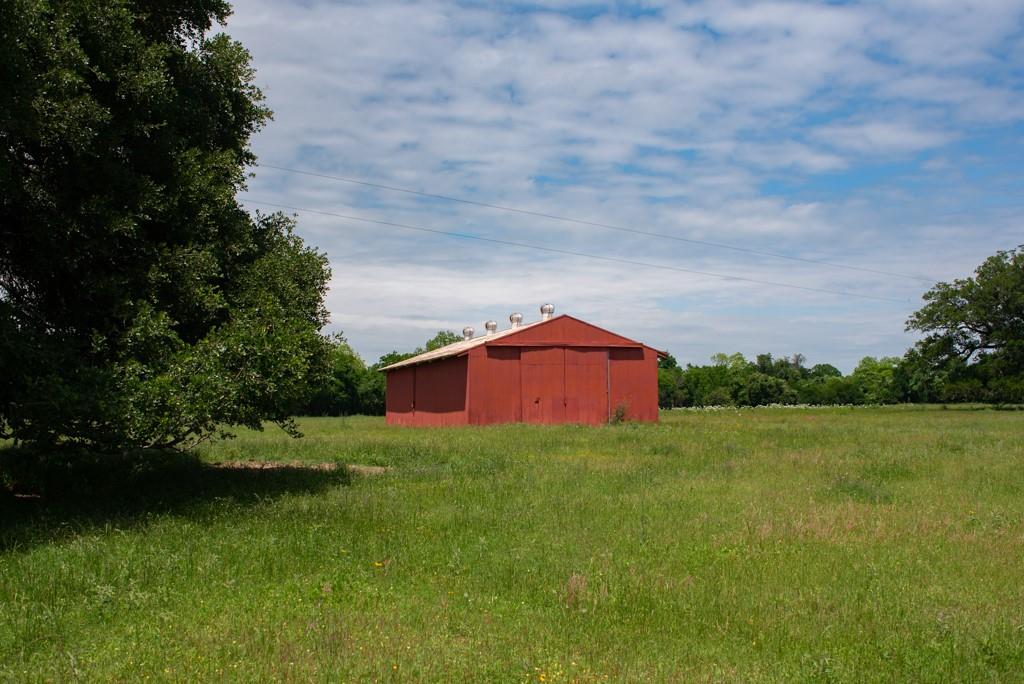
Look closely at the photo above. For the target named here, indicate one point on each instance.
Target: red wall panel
(543, 382)
(634, 382)
(494, 386)
(399, 396)
(441, 392)
(564, 330)
(428, 394)
(586, 385)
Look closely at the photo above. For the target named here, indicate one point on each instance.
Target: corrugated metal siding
(400, 396)
(441, 392)
(564, 330)
(586, 385)
(495, 386)
(634, 382)
(543, 378)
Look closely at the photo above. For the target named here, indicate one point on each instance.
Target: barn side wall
(429, 394)
(399, 396)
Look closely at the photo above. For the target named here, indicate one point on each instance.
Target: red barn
(557, 370)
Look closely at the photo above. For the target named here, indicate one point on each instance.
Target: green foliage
(698, 382)
(731, 380)
(140, 305)
(393, 357)
(824, 370)
(974, 344)
(983, 314)
(667, 362)
(442, 339)
(341, 391)
(876, 379)
(829, 391)
(759, 389)
(670, 390)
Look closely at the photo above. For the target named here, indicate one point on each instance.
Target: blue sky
(887, 136)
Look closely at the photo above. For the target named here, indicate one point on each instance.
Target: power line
(555, 250)
(597, 224)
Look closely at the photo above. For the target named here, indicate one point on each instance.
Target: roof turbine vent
(467, 332)
(491, 327)
(516, 319)
(546, 312)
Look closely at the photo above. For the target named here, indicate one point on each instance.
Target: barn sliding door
(564, 385)
(543, 384)
(586, 385)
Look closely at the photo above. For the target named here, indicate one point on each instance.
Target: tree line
(972, 351)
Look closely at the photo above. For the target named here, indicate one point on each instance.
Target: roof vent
(491, 326)
(517, 319)
(467, 332)
(546, 312)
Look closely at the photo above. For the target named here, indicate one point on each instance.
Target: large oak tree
(140, 305)
(983, 315)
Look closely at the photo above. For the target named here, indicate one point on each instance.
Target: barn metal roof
(463, 346)
(457, 348)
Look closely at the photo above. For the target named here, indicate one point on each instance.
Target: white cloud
(880, 137)
(723, 121)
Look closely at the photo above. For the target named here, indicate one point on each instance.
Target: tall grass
(768, 545)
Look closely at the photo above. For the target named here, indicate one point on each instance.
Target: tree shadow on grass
(46, 497)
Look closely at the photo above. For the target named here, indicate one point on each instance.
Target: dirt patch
(368, 469)
(304, 465)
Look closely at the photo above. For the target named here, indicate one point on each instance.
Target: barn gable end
(563, 330)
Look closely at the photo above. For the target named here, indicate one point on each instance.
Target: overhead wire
(596, 224)
(568, 252)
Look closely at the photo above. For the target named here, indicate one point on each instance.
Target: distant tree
(759, 389)
(667, 362)
(671, 392)
(876, 379)
(371, 392)
(698, 383)
(442, 339)
(842, 391)
(733, 362)
(974, 344)
(824, 384)
(140, 304)
(340, 391)
(764, 363)
(820, 371)
(983, 315)
(719, 396)
(393, 357)
(918, 379)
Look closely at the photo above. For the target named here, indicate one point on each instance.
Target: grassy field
(756, 545)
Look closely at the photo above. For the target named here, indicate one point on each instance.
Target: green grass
(757, 545)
